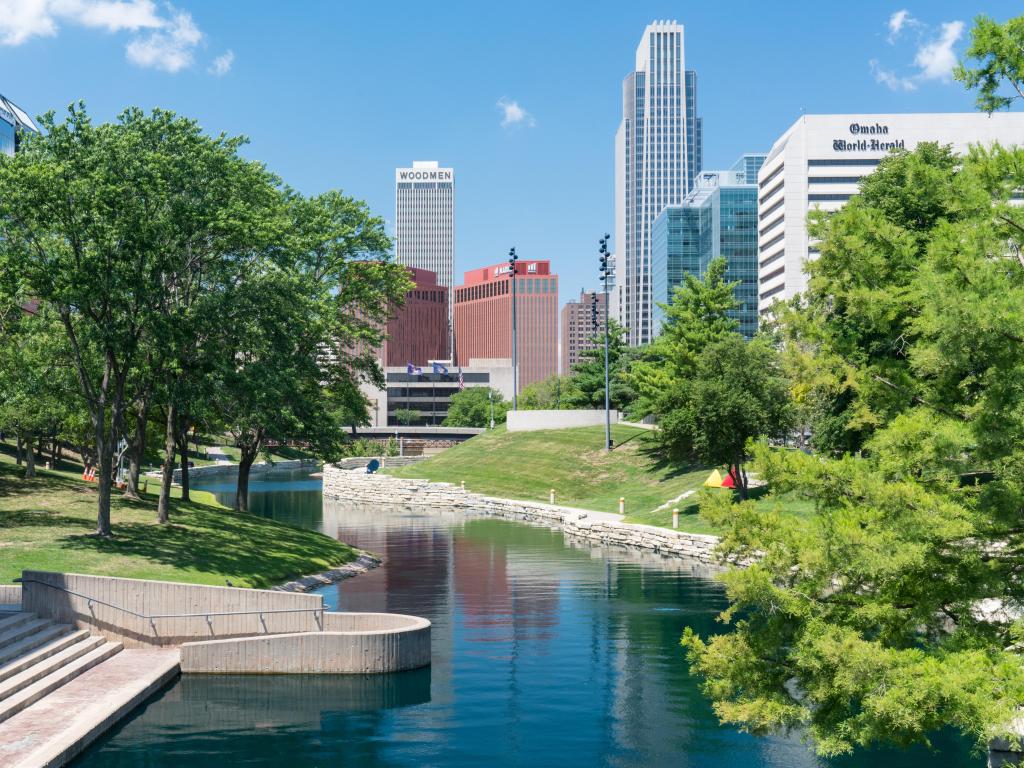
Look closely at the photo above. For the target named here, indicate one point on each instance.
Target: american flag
(462, 382)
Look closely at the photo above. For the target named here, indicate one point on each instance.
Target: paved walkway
(62, 724)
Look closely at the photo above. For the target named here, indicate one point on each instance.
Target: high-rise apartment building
(818, 163)
(483, 318)
(578, 332)
(717, 218)
(13, 120)
(425, 221)
(658, 154)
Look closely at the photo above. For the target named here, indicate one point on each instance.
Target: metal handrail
(152, 618)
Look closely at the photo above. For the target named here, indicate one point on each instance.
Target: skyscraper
(483, 318)
(425, 221)
(718, 217)
(658, 154)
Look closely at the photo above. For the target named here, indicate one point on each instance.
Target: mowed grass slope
(526, 465)
(45, 524)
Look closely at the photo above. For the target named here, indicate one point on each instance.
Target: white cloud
(166, 39)
(937, 58)
(169, 48)
(890, 78)
(21, 20)
(896, 22)
(222, 64)
(934, 57)
(512, 114)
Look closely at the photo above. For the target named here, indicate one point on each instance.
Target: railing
(318, 612)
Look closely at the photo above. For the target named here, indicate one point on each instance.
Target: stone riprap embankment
(603, 527)
(361, 564)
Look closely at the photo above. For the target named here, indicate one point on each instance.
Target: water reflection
(546, 650)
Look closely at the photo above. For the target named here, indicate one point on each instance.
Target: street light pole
(512, 258)
(490, 400)
(607, 401)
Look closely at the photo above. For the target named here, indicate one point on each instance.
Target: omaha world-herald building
(425, 222)
(818, 164)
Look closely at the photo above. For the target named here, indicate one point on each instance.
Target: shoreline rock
(361, 564)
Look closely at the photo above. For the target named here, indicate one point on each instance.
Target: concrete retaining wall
(384, 489)
(531, 421)
(10, 594)
(260, 468)
(351, 643)
(355, 462)
(44, 594)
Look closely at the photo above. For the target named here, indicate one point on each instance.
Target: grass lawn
(525, 465)
(689, 510)
(45, 524)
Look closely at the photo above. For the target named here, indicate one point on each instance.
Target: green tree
(588, 374)
(737, 394)
(406, 416)
(696, 317)
(472, 408)
(95, 223)
(892, 613)
(999, 51)
(302, 328)
(550, 394)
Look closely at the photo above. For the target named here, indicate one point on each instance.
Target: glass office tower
(658, 154)
(717, 218)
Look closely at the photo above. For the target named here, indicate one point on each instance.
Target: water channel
(545, 652)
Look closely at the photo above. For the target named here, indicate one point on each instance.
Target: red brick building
(418, 331)
(483, 317)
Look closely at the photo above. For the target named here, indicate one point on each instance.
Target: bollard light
(622, 505)
(551, 496)
(675, 517)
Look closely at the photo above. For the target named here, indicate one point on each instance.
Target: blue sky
(337, 94)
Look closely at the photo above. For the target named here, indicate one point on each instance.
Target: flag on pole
(438, 368)
(462, 382)
(413, 370)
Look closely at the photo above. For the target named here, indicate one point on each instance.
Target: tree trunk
(245, 462)
(17, 447)
(30, 458)
(104, 451)
(136, 451)
(740, 478)
(183, 449)
(170, 449)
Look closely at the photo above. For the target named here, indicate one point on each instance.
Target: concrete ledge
(215, 612)
(54, 730)
(351, 643)
(532, 421)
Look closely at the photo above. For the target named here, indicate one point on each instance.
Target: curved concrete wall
(532, 421)
(44, 593)
(351, 643)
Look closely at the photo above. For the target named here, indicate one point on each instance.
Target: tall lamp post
(512, 258)
(605, 272)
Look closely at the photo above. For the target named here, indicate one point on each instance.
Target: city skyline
(499, 122)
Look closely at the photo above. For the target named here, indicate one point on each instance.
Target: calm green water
(545, 652)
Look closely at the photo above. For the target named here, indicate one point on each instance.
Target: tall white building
(13, 121)
(818, 164)
(658, 153)
(425, 222)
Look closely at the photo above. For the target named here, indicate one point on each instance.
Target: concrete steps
(30, 691)
(38, 656)
(45, 632)
(33, 655)
(46, 665)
